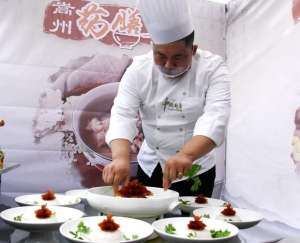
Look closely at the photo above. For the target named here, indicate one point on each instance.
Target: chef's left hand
(176, 167)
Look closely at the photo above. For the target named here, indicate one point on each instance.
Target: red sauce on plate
(134, 189)
(200, 199)
(196, 224)
(43, 212)
(48, 196)
(228, 211)
(108, 224)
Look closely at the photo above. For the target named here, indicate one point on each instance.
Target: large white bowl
(95, 103)
(103, 199)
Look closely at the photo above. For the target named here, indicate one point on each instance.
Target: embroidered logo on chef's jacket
(171, 105)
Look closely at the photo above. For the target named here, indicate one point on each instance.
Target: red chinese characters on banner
(78, 20)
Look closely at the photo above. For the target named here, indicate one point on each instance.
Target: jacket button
(158, 129)
(157, 148)
(183, 93)
(180, 129)
(183, 116)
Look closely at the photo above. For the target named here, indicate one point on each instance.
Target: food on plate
(228, 210)
(43, 212)
(219, 233)
(48, 196)
(81, 230)
(2, 123)
(170, 229)
(109, 224)
(196, 224)
(134, 189)
(201, 199)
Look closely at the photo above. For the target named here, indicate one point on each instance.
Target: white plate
(182, 231)
(192, 205)
(30, 222)
(102, 199)
(36, 199)
(133, 229)
(243, 219)
(81, 193)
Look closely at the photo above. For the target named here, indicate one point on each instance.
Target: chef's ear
(194, 50)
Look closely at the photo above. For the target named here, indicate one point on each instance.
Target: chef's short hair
(189, 40)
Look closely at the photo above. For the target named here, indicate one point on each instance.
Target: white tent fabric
(263, 55)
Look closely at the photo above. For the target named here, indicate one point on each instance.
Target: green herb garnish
(192, 234)
(170, 229)
(18, 218)
(81, 229)
(191, 174)
(133, 237)
(206, 216)
(219, 233)
(184, 202)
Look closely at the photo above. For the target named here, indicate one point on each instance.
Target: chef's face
(173, 59)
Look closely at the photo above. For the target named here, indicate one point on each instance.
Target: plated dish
(32, 218)
(159, 202)
(106, 229)
(189, 203)
(194, 229)
(242, 218)
(49, 198)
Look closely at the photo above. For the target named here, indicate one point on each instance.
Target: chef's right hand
(116, 173)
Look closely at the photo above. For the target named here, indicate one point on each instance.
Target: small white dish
(81, 193)
(188, 203)
(41, 230)
(36, 199)
(131, 230)
(185, 235)
(25, 218)
(243, 219)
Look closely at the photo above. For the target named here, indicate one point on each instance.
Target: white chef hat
(166, 20)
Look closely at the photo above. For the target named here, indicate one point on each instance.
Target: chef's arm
(120, 149)
(119, 169)
(197, 147)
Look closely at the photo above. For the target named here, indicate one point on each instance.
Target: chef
(182, 95)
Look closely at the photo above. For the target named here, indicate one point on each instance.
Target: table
(11, 235)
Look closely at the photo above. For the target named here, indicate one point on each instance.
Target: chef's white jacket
(172, 110)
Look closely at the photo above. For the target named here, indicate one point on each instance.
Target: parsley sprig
(192, 234)
(191, 174)
(81, 229)
(133, 237)
(219, 233)
(184, 202)
(18, 218)
(170, 229)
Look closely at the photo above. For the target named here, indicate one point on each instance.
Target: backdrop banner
(60, 64)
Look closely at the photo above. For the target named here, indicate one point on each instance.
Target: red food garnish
(201, 199)
(197, 224)
(228, 211)
(134, 189)
(48, 196)
(108, 224)
(43, 213)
